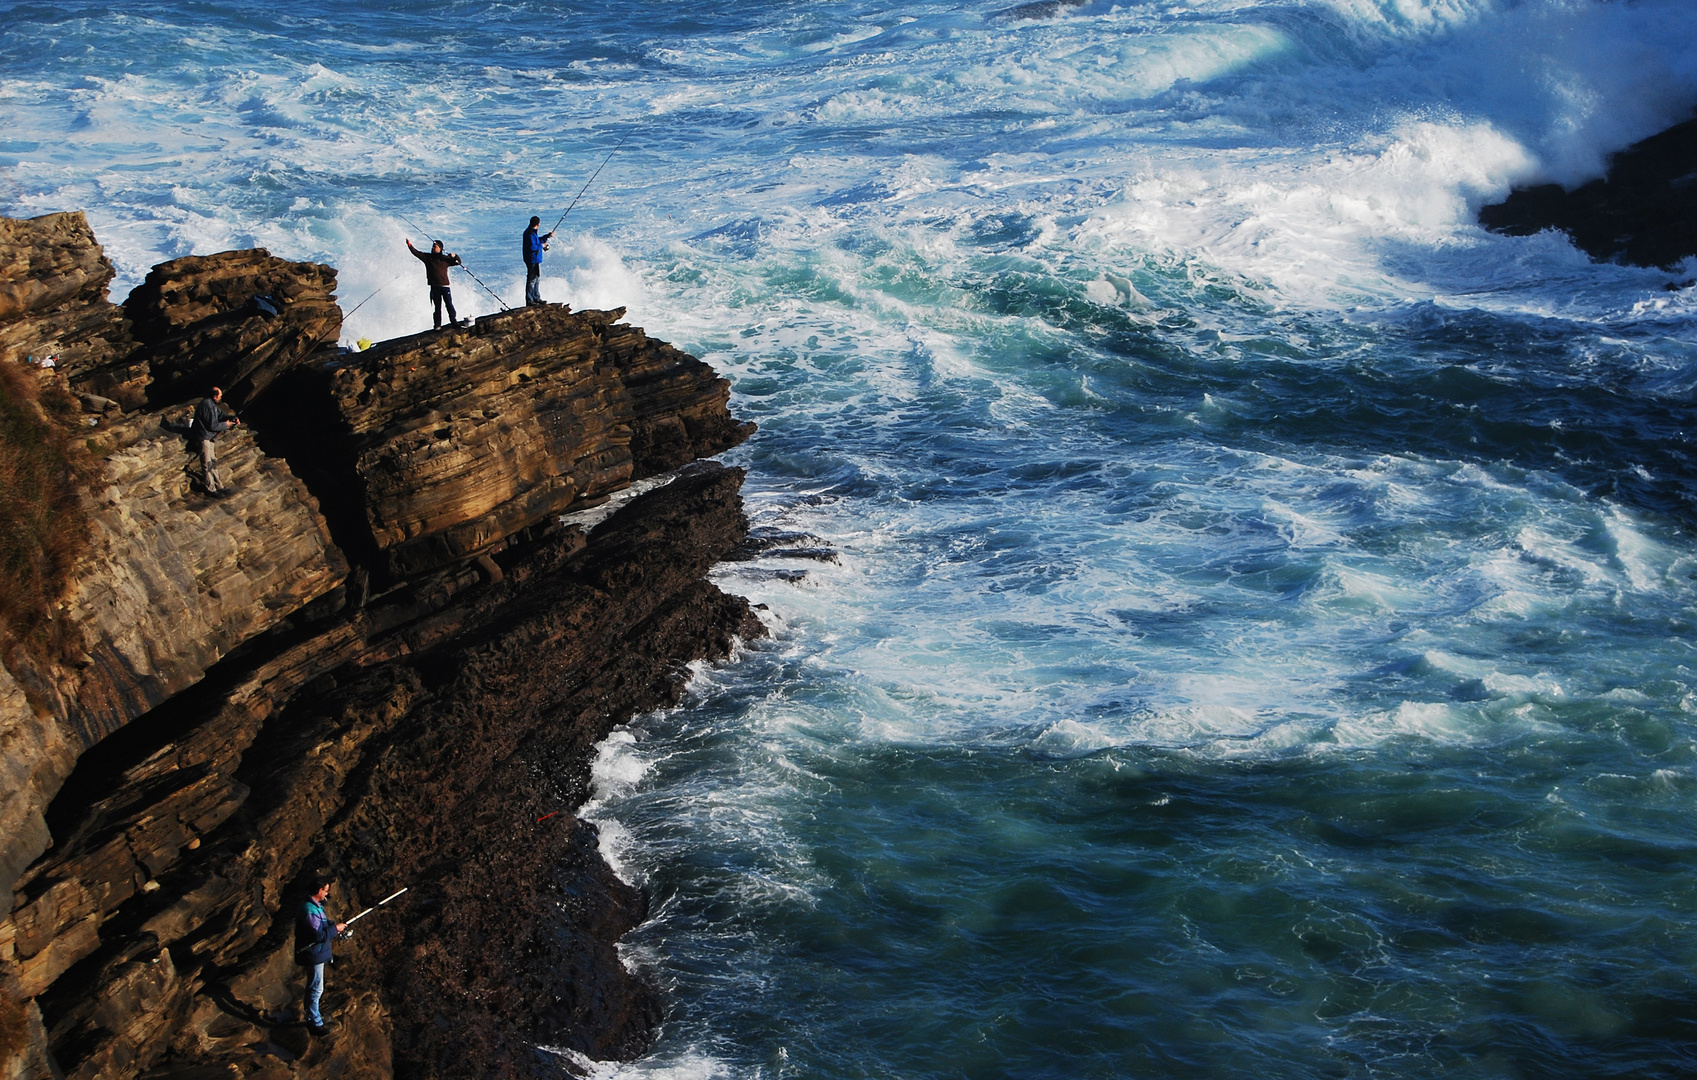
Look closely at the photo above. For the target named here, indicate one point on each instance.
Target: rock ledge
(383, 656)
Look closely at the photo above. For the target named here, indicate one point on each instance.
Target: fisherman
(436, 273)
(534, 246)
(313, 934)
(210, 421)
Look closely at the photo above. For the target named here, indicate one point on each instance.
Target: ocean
(1256, 637)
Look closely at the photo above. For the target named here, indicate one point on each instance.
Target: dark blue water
(1259, 638)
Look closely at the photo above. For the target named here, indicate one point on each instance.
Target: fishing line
(374, 292)
(463, 266)
(591, 180)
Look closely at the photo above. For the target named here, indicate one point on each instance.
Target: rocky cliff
(382, 656)
(1644, 212)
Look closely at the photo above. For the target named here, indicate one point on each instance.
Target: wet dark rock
(783, 544)
(1643, 212)
(383, 656)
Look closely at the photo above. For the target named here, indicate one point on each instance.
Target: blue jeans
(439, 295)
(533, 283)
(314, 992)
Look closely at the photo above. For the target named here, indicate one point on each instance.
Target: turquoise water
(1259, 639)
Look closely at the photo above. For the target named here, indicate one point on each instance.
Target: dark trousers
(532, 283)
(439, 295)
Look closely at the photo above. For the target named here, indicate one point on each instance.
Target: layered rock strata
(383, 656)
(53, 279)
(237, 320)
(462, 437)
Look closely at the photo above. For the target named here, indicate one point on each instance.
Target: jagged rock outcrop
(53, 279)
(1644, 212)
(381, 655)
(236, 320)
(461, 438)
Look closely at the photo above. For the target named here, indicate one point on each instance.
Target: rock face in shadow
(1644, 212)
(236, 320)
(382, 656)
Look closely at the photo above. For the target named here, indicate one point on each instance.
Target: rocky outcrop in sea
(384, 655)
(1644, 212)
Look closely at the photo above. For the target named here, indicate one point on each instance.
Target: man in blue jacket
(534, 246)
(313, 934)
(210, 421)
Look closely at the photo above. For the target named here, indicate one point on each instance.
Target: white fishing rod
(373, 907)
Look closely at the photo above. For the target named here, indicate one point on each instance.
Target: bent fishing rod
(463, 266)
(591, 180)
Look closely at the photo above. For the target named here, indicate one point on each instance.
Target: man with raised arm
(436, 273)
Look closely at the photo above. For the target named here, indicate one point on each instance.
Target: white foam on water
(591, 273)
(1331, 223)
(689, 1065)
(902, 240)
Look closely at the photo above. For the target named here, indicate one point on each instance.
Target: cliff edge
(381, 656)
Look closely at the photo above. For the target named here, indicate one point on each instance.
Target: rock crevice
(383, 656)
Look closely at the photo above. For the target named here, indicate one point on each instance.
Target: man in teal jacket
(313, 934)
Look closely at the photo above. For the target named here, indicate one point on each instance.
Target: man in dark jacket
(313, 934)
(210, 421)
(436, 273)
(534, 246)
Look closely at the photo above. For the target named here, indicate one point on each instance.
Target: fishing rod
(421, 231)
(591, 180)
(345, 931)
(486, 288)
(374, 292)
(463, 266)
(374, 907)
